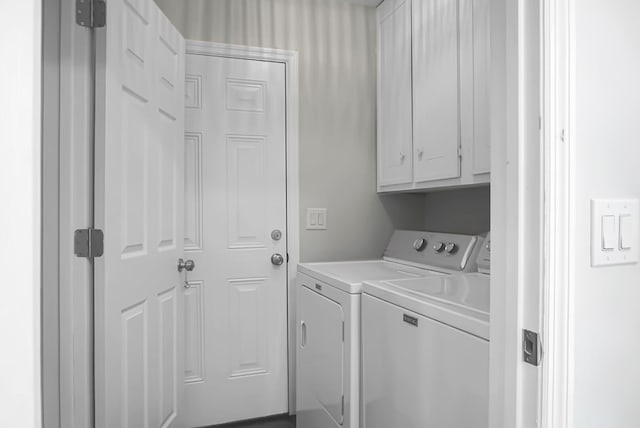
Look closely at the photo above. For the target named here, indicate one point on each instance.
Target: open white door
(139, 205)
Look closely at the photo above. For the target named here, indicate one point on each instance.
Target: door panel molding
(194, 333)
(290, 61)
(193, 185)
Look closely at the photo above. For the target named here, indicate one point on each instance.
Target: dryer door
(320, 359)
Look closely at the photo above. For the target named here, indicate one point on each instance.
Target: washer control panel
(438, 250)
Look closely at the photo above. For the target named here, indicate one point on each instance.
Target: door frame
(558, 98)
(75, 207)
(290, 60)
(74, 278)
(544, 392)
(520, 213)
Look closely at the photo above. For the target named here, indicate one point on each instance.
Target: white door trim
(557, 375)
(290, 61)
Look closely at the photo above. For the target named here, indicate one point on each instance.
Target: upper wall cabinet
(442, 103)
(395, 160)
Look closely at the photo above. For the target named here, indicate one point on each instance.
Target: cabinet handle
(303, 334)
(402, 156)
(420, 153)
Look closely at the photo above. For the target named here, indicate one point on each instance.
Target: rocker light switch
(626, 232)
(316, 219)
(609, 235)
(614, 231)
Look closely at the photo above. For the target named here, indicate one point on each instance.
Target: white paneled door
(235, 184)
(139, 205)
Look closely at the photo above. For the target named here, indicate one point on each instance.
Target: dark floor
(283, 421)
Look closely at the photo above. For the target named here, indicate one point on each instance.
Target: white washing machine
(425, 350)
(328, 319)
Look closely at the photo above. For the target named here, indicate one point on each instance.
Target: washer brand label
(318, 287)
(410, 320)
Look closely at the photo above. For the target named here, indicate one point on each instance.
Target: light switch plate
(316, 219)
(610, 243)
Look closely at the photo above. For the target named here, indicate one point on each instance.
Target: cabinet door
(394, 93)
(481, 64)
(436, 118)
(417, 372)
(474, 87)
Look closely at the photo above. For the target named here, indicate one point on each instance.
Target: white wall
(336, 45)
(606, 154)
(20, 213)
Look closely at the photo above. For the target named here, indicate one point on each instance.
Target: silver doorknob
(277, 259)
(187, 265)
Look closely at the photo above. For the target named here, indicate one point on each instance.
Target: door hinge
(531, 348)
(91, 13)
(343, 331)
(343, 405)
(88, 243)
(287, 257)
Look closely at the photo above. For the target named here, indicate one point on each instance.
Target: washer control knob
(451, 248)
(420, 244)
(438, 247)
